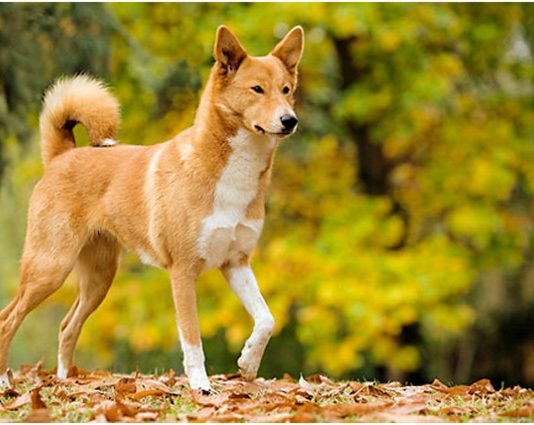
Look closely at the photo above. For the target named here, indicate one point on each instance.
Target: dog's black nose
(289, 122)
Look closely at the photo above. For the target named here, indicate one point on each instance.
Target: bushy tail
(80, 99)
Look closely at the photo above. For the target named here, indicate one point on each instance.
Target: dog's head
(258, 90)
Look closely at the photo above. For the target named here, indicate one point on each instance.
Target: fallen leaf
(18, 402)
(407, 408)
(383, 417)
(439, 386)
(37, 401)
(319, 379)
(125, 386)
(26, 369)
(252, 387)
(482, 386)
(228, 417)
(305, 414)
(39, 416)
(354, 409)
(305, 384)
(149, 416)
(203, 414)
(146, 393)
(288, 378)
(215, 400)
(10, 378)
(169, 378)
(110, 410)
(270, 418)
(454, 410)
(521, 412)
(10, 392)
(153, 384)
(234, 396)
(129, 409)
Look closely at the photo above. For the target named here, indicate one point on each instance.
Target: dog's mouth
(261, 130)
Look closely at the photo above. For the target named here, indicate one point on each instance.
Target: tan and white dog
(190, 204)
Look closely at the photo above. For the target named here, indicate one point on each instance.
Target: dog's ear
(289, 50)
(228, 51)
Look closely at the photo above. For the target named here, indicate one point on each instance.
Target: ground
(38, 396)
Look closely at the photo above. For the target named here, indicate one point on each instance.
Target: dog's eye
(257, 89)
(285, 90)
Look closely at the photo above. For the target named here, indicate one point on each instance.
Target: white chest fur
(226, 233)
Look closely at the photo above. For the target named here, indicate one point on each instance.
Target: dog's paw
(248, 374)
(250, 359)
(62, 371)
(201, 385)
(198, 380)
(248, 367)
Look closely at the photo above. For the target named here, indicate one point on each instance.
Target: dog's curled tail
(80, 99)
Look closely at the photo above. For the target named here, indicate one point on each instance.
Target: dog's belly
(221, 242)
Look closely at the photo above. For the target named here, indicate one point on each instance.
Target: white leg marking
(194, 365)
(107, 143)
(145, 259)
(62, 371)
(243, 283)
(4, 380)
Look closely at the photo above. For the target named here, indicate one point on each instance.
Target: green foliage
(41, 40)
(407, 190)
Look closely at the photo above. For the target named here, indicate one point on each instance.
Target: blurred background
(399, 239)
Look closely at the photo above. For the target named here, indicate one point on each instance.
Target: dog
(193, 203)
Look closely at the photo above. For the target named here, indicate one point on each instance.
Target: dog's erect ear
(289, 50)
(228, 51)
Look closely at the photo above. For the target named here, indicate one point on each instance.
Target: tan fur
(151, 199)
(76, 100)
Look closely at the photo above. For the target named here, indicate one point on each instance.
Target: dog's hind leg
(243, 283)
(45, 265)
(96, 267)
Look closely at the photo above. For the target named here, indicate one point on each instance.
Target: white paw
(250, 359)
(198, 379)
(249, 363)
(62, 371)
(4, 381)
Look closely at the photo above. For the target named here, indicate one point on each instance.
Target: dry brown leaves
(95, 396)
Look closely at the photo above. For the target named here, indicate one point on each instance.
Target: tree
(39, 43)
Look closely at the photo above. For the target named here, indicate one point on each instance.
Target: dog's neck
(215, 123)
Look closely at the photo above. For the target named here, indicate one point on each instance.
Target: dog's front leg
(243, 283)
(185, 301)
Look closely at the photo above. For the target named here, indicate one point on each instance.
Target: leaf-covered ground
(38, 396)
